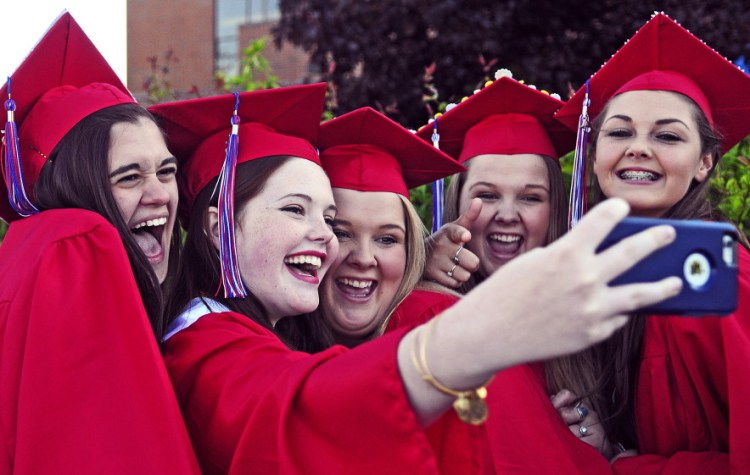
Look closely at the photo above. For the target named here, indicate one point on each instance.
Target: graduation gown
(693, 392)
(523, 434)
(83, 389)
(457, 446)
(252, 405)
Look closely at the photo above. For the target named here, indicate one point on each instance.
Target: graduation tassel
(12, 168)
(577, 205)
(231, 277)
(437, 186)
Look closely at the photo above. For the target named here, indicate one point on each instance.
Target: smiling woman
(81, 374)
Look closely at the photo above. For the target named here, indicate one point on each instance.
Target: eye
(486, 196)
(668, 137)
(618, 133)
(387, 240)
(295, 209)
(330, 221)
(340, 234)
(167, 172)
(130, 179)
(532, 198)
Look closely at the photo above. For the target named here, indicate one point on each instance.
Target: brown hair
(199, 276)
(606, 374)
(558, 207)
(77, 176)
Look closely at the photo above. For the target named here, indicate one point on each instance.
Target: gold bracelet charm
(470, 405)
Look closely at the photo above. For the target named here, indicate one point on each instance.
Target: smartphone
(703, 255)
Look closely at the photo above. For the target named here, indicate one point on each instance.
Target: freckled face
(364, 279)
(284, 239)
(648, 151)
(515, 194)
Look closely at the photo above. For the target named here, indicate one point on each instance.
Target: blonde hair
(413, 268)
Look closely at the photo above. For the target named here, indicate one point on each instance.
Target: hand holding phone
(703, 255)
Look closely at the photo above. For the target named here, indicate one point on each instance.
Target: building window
(230, 15)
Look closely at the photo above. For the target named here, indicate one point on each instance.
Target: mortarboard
(281, 121)
(211, 135)
(63, 80)
(506, 117)
(366, 151)
(663, 55)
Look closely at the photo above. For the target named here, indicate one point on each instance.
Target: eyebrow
(137, 166)
(658, 122)
(344, 222)
(490, 185)
(308, 199)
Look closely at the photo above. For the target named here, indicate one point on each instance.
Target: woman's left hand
(582, 421)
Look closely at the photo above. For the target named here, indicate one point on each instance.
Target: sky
(24, 22)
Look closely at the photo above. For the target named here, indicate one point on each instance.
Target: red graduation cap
(662, 55)
(281, 121)
(63, 80)
(366, 151)
(506, 117)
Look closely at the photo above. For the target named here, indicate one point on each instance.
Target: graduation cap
(63, 80)
(366, 151)
(211, 135)
(664, 56)
(506, 117)
(661, 56)
(281, 121)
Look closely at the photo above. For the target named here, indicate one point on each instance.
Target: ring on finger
(458, 251)
(450, 272)
(582, 410)
(583, 430)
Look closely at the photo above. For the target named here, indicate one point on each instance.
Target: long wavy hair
(76, 175)
(606, 374)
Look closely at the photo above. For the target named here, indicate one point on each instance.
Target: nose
(361, 255)
(156, 192)
(506, 212)
(639, 148)
(320, 231)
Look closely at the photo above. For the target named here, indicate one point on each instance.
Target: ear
(213, 225)
(705, 165)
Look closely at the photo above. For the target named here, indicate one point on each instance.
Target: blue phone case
(703, 255)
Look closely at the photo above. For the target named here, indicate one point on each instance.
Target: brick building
(193, 39)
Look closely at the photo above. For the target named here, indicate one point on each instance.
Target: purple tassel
(577, 205)
(12, 169)
(231, 278)
(437, 186)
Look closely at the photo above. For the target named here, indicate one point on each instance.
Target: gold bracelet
(469, 404)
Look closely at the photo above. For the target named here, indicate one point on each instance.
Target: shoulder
(58, 225)
(419, 307)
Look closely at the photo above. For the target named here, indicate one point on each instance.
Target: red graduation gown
(457, 446)
(523, 434)
(254, 406)
(82, 386)
(693, 392)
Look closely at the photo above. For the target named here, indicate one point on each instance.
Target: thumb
(467, 219)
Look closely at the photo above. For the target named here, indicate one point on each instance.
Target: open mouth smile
(148, 235)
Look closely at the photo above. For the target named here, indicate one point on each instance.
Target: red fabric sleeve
(254, 406)
(83, 389)
(458, 447)
(693, 394)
